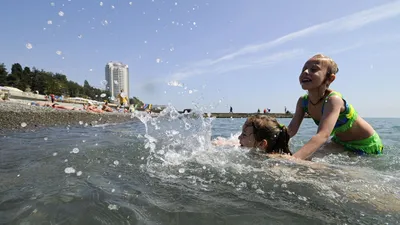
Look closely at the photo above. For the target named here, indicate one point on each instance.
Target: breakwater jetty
(245, 115)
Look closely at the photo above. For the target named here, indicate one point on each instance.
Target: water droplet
(23, 124)
(113, 7)
(259, 191)
(75, 150)
(172, 49)
(69, 170)
(52, 4)
(104, 82)
(115, 82)
(90, 70)
(194, 23)
(112, 207)
(104, 22)
(80, 36)
(103, 95)
(79, 173)
(49, 22)
(28, 45)
(130, 3)
(181, 170)
(55, 154)
(158, 60)
(58, 52)
(116, 162)
(190, 91)
(80, 122)
(113, 190)
(119, 176)
(204, 167)
(145, 42)
(45, 138)
(61, 13)
(101, 3)
(176, 3)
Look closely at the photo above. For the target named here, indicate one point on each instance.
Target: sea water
(165, 170)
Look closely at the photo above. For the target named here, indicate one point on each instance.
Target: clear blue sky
(244, 54)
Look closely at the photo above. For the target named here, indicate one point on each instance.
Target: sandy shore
(16, 115)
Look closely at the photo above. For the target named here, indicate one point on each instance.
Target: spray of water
(180, 150)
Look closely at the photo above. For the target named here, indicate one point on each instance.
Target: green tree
(49, 83)
(25, 79)
(3, 75)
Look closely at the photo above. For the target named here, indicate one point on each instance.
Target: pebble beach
(19, 115)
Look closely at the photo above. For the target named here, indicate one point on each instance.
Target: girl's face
(313, 74)
(246, 138)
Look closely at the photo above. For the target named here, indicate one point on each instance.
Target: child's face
(313, 74)
(246, 138)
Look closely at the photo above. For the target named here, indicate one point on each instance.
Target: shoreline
(16, 116)
(19, 115)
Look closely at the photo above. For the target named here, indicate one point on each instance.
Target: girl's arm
(297, 118)
(220, 141)
(328, 120)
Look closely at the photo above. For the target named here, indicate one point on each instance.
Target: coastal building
(117, 77)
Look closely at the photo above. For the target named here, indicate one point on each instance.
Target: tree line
(45, 83)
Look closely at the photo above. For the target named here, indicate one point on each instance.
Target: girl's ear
(263, 144)
(332, 77)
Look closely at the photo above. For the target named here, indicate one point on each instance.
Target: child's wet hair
(268, 128)
(329, 62)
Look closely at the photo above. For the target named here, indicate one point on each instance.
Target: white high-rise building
(117, 77)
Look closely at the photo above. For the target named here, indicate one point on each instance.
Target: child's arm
(331, 114)
(297, 118)
(220, 141)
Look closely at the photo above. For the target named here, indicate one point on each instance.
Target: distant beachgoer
(106, 107)
(55, 105)
(53, 98)
(331, 112)
(231, 110)
(91, 108)
(123, 99)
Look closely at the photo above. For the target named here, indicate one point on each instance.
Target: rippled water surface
(166, 171)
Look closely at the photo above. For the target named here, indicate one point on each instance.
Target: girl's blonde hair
(329, 62)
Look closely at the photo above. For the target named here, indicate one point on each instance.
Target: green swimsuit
(370, 145)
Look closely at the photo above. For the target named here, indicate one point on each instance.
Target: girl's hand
(220, 141)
